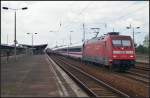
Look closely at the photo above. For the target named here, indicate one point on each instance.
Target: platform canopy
(5, 46)
(37, 49)
(42, 46)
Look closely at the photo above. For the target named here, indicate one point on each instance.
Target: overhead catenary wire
(90, 3)
(61, 20)
(113, 20)
(125, 15)
(137, 10)
(128, 14)
(80, 13)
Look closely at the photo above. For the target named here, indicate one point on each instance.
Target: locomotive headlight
(131, 56)
(114, 56)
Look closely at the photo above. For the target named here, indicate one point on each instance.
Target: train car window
(126, 43)
(116, 42)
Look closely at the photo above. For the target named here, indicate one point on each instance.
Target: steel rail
(142, 68)
(137, 78)
(138, 74)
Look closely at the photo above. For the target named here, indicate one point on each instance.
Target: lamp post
(15, 41)
(133, 31)
(32, 38)
(83, 33)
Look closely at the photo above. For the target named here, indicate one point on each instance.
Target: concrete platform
(36, 76)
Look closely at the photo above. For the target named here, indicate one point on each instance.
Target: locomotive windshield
(126, 43)
(121, 43)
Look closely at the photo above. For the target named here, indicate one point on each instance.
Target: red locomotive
(113, 50)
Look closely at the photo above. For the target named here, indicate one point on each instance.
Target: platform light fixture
(15, 41)
(133, 31)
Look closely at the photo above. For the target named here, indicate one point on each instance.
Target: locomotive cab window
(126, 43)
(121, 43)
(116, 42)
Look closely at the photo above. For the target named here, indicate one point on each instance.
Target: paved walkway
(32, 76)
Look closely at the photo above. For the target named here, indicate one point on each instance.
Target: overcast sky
(44, 16)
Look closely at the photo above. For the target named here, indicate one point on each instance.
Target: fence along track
(92, 85)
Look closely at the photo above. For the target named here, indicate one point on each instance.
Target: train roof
(109, 34)
(121, 36)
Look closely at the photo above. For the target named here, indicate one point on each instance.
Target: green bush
(141, 49)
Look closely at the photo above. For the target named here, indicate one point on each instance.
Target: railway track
(92, 85)
(139, 73)
(146, 63)
(146, 76)
(143, 66)
(90, 68)
(136, 76)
